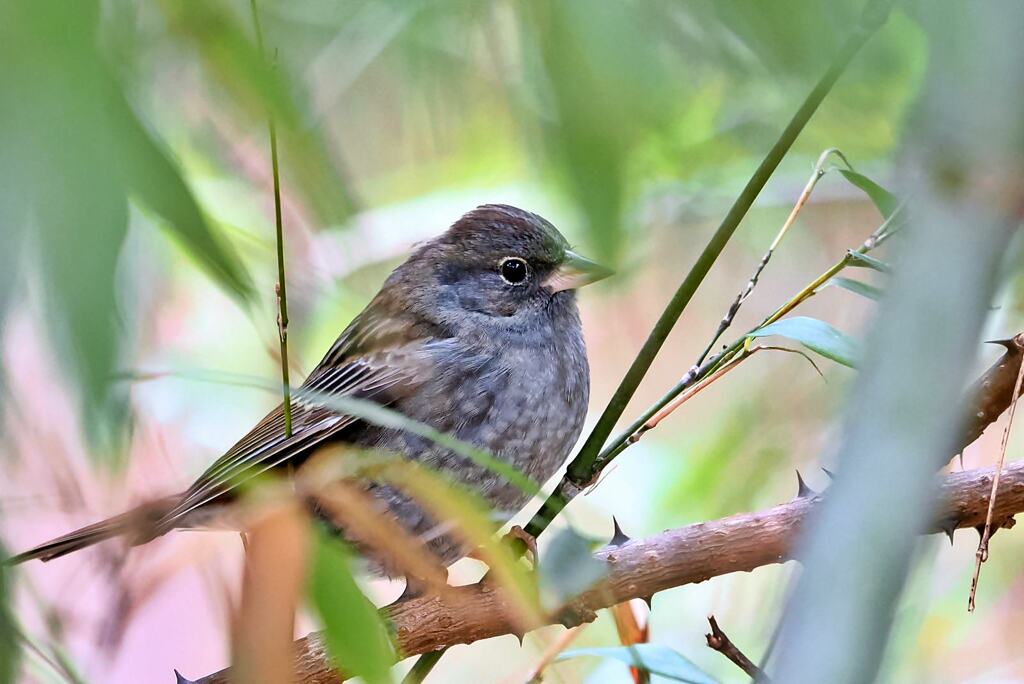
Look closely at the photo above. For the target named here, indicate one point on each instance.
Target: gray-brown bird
(477, 335)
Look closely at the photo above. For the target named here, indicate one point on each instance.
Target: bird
(476, 335)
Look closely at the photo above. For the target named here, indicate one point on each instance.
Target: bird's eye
(513, 270)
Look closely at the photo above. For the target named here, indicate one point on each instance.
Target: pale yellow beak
(575, 271)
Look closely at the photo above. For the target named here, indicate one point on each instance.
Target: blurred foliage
(356, 636)
(660, 661)
(604, 99)
(74, 154)
(623, 117)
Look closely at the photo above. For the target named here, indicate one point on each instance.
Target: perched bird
(477, 335)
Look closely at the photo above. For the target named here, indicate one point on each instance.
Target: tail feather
(139, 525)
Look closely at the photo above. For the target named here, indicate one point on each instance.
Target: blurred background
(137, 274)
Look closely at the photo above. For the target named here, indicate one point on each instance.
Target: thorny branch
(643, 567)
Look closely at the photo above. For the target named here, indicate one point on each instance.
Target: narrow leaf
(856, 287)
(152, 177)
(356, 637)
(816, 335)
(862, 260)
(654, 658)
(884, 200)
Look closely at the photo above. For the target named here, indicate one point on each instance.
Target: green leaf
(856, 286)
(884, 200)
(152, 177)
(861, 260)
(818, 336)
(658, 660)
(356, 636)
(568, 568)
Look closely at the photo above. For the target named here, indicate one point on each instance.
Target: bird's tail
(138, 526)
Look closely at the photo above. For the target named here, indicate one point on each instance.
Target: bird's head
(503, 263)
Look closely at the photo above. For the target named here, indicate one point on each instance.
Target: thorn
(828, 472)
(179, 679)
(520, 636)
(802, 490)
(618, 536)
(961, 455)
(648, 599)
(949, 527)
(1009, 343)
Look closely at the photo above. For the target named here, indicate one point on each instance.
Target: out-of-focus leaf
(660, 661)
(72, 154)
(9, 651)
(257, 89)
(816, 335)
(61, 146)
(584, 47)
(856, 286)
(883, 200)
(568, 568)
(153, 178)
(356, 637)
(862, 260)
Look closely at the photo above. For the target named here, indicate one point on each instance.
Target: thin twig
(280, 289)
(719, 641)
(816, 175)
(551, 652)
(728, 356)
(981, 555)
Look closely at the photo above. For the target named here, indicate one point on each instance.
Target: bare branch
(720, 641)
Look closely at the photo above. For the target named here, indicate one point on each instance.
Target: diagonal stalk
(584, 467)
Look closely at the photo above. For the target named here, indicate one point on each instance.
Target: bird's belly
(528, 419)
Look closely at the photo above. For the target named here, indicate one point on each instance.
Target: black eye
(513, 270)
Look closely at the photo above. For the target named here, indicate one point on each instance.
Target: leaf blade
(884, 201)
(654, 658)
(816, 335)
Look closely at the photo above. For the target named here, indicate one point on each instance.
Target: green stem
(638, 427)
(422, 667)
(582, 469)
(281, 289)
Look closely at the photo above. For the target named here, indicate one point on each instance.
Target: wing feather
(382, 375)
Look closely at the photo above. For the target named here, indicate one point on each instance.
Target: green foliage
(816, 335)
(356, 637)
(73, 155)
(658, 660)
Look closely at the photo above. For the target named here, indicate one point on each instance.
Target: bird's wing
(354, 367)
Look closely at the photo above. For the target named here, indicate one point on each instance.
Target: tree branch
(643, 567)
